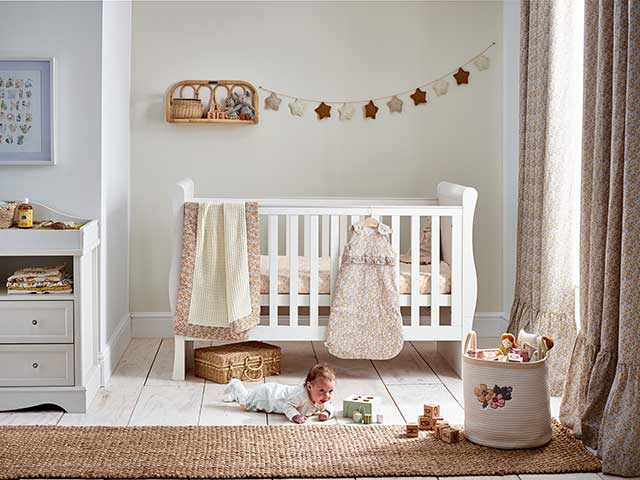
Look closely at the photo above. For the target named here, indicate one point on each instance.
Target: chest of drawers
(49, 342)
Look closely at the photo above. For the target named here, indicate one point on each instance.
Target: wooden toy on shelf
(367, 418)
(215, 112)
(412, 429)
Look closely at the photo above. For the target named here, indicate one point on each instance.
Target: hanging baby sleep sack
(365, 320)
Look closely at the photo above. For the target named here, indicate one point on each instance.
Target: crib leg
(452, 353)
(178, 358)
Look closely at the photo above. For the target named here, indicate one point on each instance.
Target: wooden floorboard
(408, 368)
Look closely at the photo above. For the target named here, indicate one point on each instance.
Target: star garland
(346, 110)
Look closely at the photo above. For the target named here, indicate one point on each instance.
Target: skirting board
(115, 348)
(160, 324)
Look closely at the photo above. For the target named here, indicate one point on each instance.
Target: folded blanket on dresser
(238, 328)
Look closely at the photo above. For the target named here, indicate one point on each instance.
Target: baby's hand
(323, 416)
(299, 419)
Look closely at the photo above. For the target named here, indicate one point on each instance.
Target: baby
(298, 403)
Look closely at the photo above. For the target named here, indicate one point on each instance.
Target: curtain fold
(550, 103)
(603, 385)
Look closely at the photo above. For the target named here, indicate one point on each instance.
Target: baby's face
(320, 390)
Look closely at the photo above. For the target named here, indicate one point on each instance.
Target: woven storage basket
(186, 108)
(251, 361)
(524, 420)
(7, 212)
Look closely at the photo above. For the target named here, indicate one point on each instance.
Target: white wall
(70, 32)
(116, 89)
(339, 50)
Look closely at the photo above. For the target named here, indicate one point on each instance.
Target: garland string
(405, 92)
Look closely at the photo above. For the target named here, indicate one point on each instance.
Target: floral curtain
(550, 105)
(602, 393)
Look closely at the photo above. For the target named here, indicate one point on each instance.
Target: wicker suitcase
(251, 361)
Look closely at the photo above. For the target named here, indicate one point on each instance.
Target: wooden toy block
(361, 403)
(437, 429)
(367, 418)
(424, 422)
(431, 410)
(412, 429)
(450, 435)
(434, 421)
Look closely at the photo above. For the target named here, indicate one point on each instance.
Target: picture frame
(27, 113)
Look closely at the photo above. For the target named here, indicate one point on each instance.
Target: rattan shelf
(212, 108)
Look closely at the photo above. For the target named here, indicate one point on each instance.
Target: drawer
(38, 321)
(36, 365)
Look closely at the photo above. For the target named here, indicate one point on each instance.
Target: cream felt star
(346, 111)
(297, 108)
(395, 104)
(482, 62)
(272, 102)
(441, 87)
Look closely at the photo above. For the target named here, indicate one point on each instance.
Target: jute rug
(268, 452)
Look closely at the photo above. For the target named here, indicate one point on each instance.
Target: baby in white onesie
(298, 403)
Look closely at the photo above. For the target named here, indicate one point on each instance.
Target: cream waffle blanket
(221, 293)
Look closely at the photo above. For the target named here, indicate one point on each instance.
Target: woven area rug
(268, 452)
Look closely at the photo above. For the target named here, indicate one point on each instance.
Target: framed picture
(26, 111)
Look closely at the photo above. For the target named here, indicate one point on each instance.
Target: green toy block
(363, 403)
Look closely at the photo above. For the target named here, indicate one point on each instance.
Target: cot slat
(306, 235)
(313, 271)
(415, 270)
(456, 270)
(286, 235)
(435, 270)
(325, 236)
(293, 270)
(335, 251)
(273, 270)
(395, 243)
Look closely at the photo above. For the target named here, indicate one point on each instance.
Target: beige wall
(338, 50)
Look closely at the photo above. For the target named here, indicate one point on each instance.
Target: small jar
(25, 215)
(357, 417)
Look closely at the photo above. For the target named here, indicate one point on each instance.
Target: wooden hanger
(371, 222)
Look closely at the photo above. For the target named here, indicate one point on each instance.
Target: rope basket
(7, 213)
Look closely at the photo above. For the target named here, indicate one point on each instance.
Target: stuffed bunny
(244, 105)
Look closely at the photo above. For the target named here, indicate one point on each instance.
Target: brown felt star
(461, 76)
(323, 110)
(419, 97)
(370, 110)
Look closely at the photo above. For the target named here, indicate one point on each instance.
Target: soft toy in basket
(506, 403)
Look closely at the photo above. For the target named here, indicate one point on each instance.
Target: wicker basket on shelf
(7, 213)
(188, 107)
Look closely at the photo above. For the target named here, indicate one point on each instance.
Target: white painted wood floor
(141, 392)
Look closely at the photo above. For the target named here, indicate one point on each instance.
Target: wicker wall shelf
(212, 101)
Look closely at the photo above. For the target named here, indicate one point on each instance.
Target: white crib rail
(331, 240)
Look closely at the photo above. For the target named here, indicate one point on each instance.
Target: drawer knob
(34, 322)
(35, 365)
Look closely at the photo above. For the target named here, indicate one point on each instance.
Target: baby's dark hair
(322, 370)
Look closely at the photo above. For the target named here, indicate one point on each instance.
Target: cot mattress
(324, 274)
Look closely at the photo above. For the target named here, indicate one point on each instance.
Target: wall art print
(26, 112)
